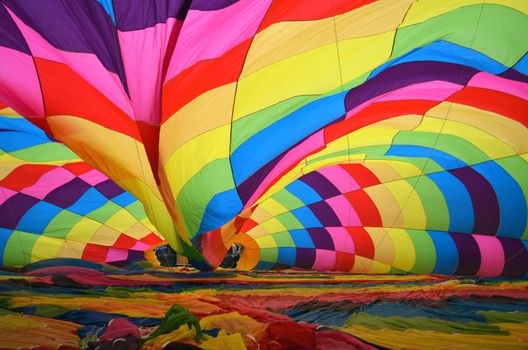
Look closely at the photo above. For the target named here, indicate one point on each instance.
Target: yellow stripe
(511, 133)
(375, 18)
(426, 9)
(273, 226)
(390, 210)
(383, 245)
(45, 248)
(309, 73)
(192, 156)
(404, 250)
(206, 112)
(409, 202)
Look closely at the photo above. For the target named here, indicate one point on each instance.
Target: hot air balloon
(53, 205)
(371, 136)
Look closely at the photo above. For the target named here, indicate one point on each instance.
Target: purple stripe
(109, 189)
(135, 255)
(211, 5)
(321, 238)
(73, 25)
(512, 74)
(325, 214)
(140, 14)
(10, 35)
(67, 194)
(280, 266)
(516, 258)
(406, 74)
(485, 203)
(305, 258)
(468, 254)
(249, 186)
(320, 184)
(13, 209)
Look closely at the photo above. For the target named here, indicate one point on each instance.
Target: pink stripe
(491, 256)
(340, 178)
(293, 156)
(93, 177)
(48, 182)
(115, 254)
(342, 240)
(490, 81)
(147, 48)
(422, 91)
(19, 85)
(5, 194)
(345, 212)
(85, 65)
(431, 91)
(325, 260)
(206, 35)
(141, 246)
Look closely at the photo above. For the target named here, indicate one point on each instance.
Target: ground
(70, 303)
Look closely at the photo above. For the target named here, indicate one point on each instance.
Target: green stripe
(497, 32)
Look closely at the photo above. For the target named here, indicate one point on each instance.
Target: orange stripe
(375, 113)
(494, 101)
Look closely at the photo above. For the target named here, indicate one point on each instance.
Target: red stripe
(25, 175)
(374, 113)
(361, 174)
(124, 242)
(65, 93)
(363, 245)
(344, 261)
(308, 10)
(150, 136)
(151, 239)
(498, 102)
(202, 77)
(365, 208)
(78, 168)
(94, 252)
(209, 74)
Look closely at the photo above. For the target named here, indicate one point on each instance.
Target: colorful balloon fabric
(71, 307)
(54, 205)
(366, 136)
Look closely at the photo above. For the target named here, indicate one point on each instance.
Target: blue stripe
(20, 124)
(4, 237)
(443, 51)
(458, 200)
(301, 238)
(287, 256)
(306, 217)
(88, 202)
(124, 199)
(109, 8)
(11, 141)
(522, 65)
(36, 219)
(446, 253)
(220, 210)
(511, 199)
(270, 142)
(443, 159)
(304, 192)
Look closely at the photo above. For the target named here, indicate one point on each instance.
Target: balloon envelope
(52, 204)
(246, 121)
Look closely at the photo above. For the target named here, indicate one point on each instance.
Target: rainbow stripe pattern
(354, 135)
(54, 205)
